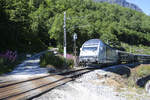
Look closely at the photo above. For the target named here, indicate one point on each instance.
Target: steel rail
(27, 89)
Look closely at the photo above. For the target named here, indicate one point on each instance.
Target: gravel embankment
(103, 84)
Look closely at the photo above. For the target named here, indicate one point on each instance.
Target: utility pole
(65, 44)
(75, 51)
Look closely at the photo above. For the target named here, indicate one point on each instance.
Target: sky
(143, 4)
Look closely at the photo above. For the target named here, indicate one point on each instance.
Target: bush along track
(9, 60)
(51, 60)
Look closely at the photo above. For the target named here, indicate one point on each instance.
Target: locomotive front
(89, 52)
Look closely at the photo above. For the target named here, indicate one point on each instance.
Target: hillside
(123, 3)
(31, 25)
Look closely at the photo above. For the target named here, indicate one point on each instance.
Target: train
(94, 51)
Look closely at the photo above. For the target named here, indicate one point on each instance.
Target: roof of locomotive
(92, 41)
(96, 42)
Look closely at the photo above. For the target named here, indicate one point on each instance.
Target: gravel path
(26, 69)
(30, 66)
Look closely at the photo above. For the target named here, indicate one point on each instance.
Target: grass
(140, 49)
(54, 60)
(143, 70)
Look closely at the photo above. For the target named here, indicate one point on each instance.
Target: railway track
(30, 88)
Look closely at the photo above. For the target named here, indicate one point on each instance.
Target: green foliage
(26, 24)
(7, 65)
(141, 49)
(143, 71)
(54, 60)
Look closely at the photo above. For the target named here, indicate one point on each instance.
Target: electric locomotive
(96, 51)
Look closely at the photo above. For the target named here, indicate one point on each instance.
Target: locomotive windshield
(89, 48)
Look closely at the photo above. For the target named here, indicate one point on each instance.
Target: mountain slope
(123, 3)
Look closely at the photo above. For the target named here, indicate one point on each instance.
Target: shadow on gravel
(141, 82)
(133, 65)
(120, 69)
(123, 69)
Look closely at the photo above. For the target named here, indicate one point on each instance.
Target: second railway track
(30, 88)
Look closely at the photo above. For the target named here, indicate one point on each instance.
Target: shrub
(57, 61)
(7, 65)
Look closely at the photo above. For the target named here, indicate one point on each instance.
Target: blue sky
(143, 4)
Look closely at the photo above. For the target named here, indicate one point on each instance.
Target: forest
(34, 25)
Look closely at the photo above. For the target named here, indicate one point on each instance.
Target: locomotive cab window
(89, 48)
